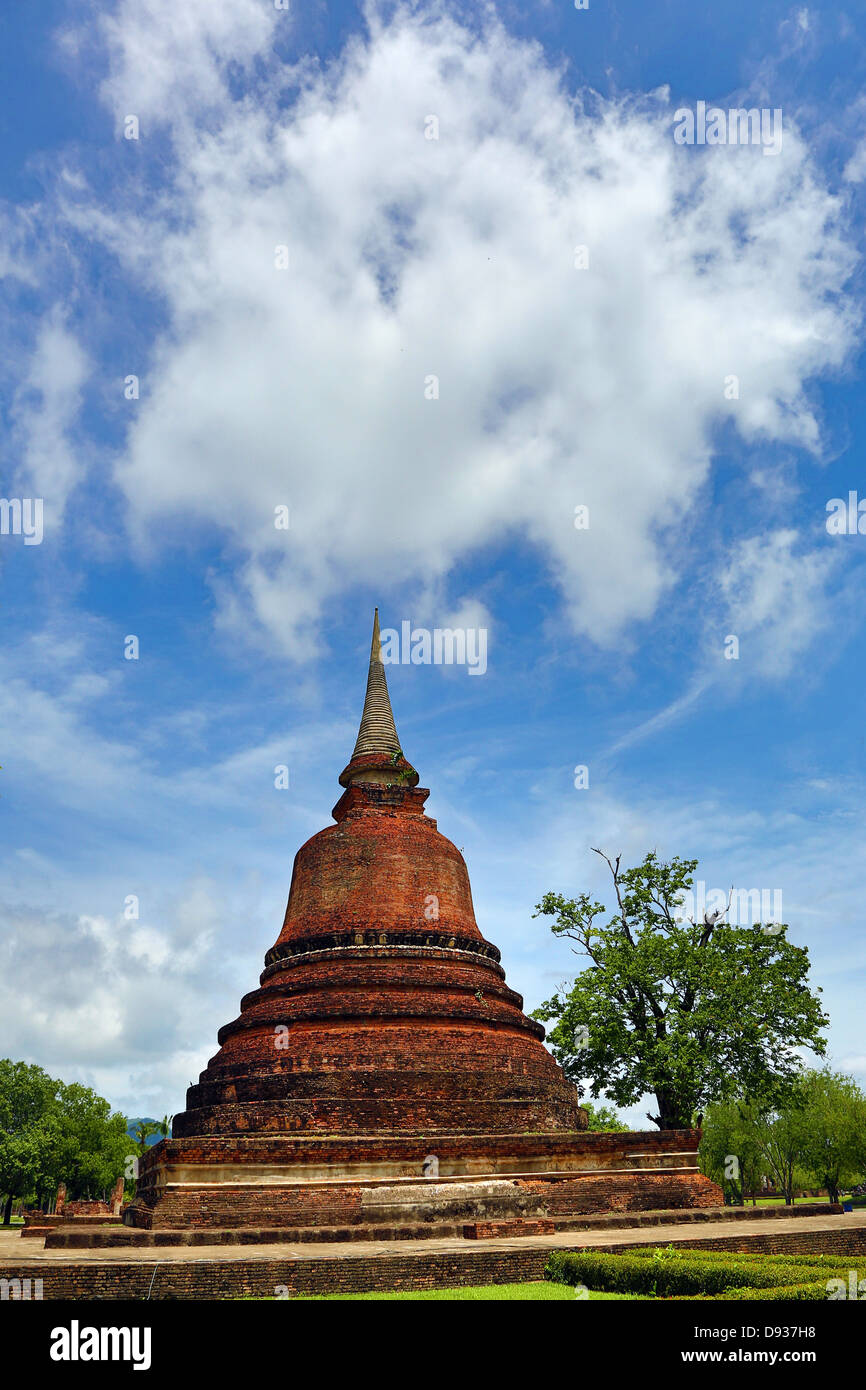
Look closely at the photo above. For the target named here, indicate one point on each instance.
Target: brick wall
(806, 1242)
(233, 1204)
(628, 1192)
(208, 1279)
(243, 1205)
(599, 1148)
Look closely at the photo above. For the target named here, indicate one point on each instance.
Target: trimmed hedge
(630, 1273)
(824, 1261)
(816, 1291)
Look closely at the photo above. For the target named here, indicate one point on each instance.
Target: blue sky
(304, 387)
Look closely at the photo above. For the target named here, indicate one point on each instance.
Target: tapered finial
(378, 733)
(377, 755)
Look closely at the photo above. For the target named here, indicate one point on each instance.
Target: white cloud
(115, 992)
(45, 410)
(855, 169)
(406, 257)
(777, 599)
(454, 257)
(670, 714)
(88, 994)
(772, 594)
(164, 55)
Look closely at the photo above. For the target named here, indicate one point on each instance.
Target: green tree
(832, 1145)
(729, 1152)
(30, 1131)
(52, 1132)
(143, 1131)
(816, 1135)
(94, 1143)
(691, 1012)
(603, 1117)
(780, 1134)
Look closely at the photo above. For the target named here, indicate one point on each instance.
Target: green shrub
(815, 1291)
(825, 1260)
(672, 1276)
(808, 1267)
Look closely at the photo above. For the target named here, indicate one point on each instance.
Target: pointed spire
(377, 755)
(378, 733)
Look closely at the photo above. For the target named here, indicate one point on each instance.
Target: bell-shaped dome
(382, 1009)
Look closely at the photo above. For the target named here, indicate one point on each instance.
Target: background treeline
(814, 1139)
(51, 1132)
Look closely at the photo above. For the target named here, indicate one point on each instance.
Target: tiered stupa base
(376, 1186)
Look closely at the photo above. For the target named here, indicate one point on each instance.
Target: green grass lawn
(780, 1201)
(496, 1293)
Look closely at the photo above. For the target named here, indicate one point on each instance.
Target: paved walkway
(15, 1250)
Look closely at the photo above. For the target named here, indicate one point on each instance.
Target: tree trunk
(670, 1114)
(7, 1211)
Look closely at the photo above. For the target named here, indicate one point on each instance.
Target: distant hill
(142, 1120)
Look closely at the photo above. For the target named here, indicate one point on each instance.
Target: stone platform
(215, 1272)
(368, 1183)
(71, 1238)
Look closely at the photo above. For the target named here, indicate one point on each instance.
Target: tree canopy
(691, 1012)
(603, 1117)
(51, 1132)
(816, 1136)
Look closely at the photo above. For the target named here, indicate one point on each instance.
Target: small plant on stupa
(402, 774)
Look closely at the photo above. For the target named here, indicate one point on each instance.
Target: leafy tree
(143, 1131)
(95, 1142)
(29, 1130)
(52, 1132)
(604, 1117)
(818, 1133)
(730, 1153)
(833, 1133)
(691, 1012)
(779, 1133)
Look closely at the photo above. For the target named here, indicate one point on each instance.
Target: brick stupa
(384, 1079)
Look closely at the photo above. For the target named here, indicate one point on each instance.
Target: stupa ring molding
(297, 989)
(363, 938)
(399, 1013)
